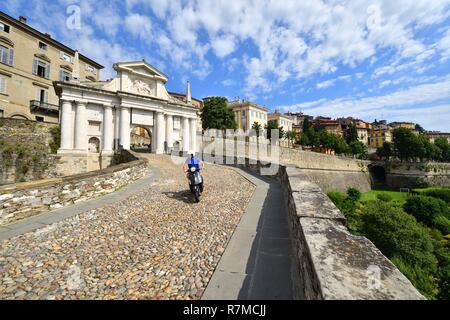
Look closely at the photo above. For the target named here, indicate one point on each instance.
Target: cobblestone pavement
(156, 244)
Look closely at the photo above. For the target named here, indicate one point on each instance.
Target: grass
(420, 190)
(395, 195)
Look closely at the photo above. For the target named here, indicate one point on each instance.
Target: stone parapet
(22, 200)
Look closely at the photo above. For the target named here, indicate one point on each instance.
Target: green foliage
(257, 127)
(441, 223)
(337, 198)
(405, 142)
(397, 234)
(354, 194)
(421, 278)
(386, 151)
(425, 209)
(358, 148)
(443, 194)
(351, 134)
(273, 125)
(56, 139)
(216, 114)
(384, 197)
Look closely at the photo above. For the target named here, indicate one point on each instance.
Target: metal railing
(39, 105)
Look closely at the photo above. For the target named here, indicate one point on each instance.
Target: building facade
(247, 113)
(29, 63)
(99, 118)
(380, 134)
(433, 135)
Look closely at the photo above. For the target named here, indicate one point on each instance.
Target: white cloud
(415, 101)
(139, 26)
(228, 82)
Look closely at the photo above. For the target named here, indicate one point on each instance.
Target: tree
(405, 141)
(306, 125)
(444, 149)
(216, 114)
(351, 134)
(419, 128)
(273, 125)
(358, 148)
(386, 151)
(258, 128)
(397, 234)
(291, 136)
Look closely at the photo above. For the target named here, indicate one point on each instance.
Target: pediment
(42, 57)
(141, 69)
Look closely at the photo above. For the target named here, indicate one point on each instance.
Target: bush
(425, 282)
(384, 197)
(56, 139)
(337, 198)
(442, 224)
(354, 194)
(443, 194)
(397, 233)
(425, 209)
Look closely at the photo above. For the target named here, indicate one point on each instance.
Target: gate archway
(141, 139)
(377, 175)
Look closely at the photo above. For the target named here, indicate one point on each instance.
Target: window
(1, 113)
(41, 69)
(6, 55)
(42, 95)
(4, 27)
(65, 57)
(39, 119)
(2, 85)
(64, 75)
(42, 46)
(90, 69)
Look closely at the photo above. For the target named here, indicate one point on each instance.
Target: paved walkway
(147, 241)
(256, 264)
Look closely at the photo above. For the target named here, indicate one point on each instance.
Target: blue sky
(368, 59)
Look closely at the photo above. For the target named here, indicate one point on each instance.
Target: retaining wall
(22, 200)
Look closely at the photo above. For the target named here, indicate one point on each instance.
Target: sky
(367, 59)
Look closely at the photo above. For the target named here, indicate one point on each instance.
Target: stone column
(193, 123)
(108, 133)
(160, 132)
(169, 132)
(66, 125)
(186, 140)
(80, 127)
(124, 127)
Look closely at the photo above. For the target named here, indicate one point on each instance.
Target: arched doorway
(377, 175)
(94, 145)
(141, 139)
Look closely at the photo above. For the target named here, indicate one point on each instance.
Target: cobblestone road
(156, 244)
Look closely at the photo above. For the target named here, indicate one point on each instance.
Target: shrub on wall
(56, 139)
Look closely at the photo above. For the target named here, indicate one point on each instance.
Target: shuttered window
(64, 75)
(4, 53)
(41, 69)
(2, 85)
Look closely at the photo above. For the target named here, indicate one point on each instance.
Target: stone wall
(22, 200)
(329, 262)
(25, 152)
(410, 175)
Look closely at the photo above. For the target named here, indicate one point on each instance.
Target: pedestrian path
(256, 264)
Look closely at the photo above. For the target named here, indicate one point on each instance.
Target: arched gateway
(108, 110)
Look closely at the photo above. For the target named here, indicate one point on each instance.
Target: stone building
(247, 113)
(433, 135)
(97, 118)
(29, 63)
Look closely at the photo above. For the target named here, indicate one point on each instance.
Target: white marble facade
(99, 116)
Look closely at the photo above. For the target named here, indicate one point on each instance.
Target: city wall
(329, 263)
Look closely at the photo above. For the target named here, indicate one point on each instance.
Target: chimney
(188, 92)
(23, 19)
(48, 35)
